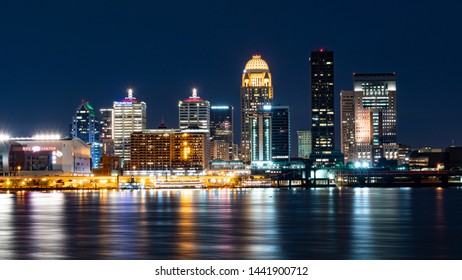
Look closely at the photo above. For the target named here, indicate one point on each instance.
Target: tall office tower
(106, 117)
(347, 124)
(221, 132)
(129, 117)
(374, 107)
(280, 139)
(86, 127)
(261, 135)
(194, 113)
(322, 100)
(304, 143)
(256, 91)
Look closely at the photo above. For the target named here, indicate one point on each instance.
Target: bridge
(381, 177)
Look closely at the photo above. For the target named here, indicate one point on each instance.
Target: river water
(258, 224)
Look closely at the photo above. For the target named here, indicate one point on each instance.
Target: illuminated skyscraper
(256, 91)
(129, 116)
(221, 132)
(194, 113)
(107, 131)
(322, 100)
(373, 104)
(280, 139)
(86, 127)
(261, 135)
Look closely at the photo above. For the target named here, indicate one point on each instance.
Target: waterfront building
(256, 92)
(107, 131)
(261, 136)
(168, 151)
(86, 126)
(129, 117)
(403, 154)
(322, 100)
(44, 155)
(222, 132)
(228, 167)
(373, 104)
(304, 143)
(280, 130)
(427, 159)
(194, 112)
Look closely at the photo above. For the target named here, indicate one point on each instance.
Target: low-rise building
(44, 156)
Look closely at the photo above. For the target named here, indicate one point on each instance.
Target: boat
(132, 185)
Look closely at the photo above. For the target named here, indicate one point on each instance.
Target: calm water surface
(359, 223)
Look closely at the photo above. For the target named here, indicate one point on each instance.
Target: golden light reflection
(187, 239)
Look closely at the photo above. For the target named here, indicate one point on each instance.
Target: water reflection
(325, 223)
(6, 226)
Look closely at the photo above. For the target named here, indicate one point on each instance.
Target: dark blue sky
(56, 53)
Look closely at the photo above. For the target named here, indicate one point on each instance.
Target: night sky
(56, 53)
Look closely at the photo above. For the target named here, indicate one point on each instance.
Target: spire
(194, 93)
(130, 93)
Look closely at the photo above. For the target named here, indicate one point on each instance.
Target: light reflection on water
(323, 223)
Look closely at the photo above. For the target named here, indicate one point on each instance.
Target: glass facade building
(221, 132)
(322, 100)
(280, 126)
(86, 127)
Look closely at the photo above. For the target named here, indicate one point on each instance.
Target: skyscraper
(280, 126)
(304, 143)
(261, 135)
(322, 100)
(194, 113)
(129, 116)
(107, 131)
(256, 91)
(221, 132)
(86, 127)
(373, 104)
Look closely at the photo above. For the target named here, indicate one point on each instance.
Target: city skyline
(96, 54)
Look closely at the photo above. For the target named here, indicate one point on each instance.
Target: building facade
(107, 131)
(129, 117)
(256, 92)
(304, 143)
(167, 152)
(43, 156)
(194, 113)
(222, 132)
(322, 100)
(373, 104)
(86, 127)
(261, 135)
(347, 126)
(280, 138)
